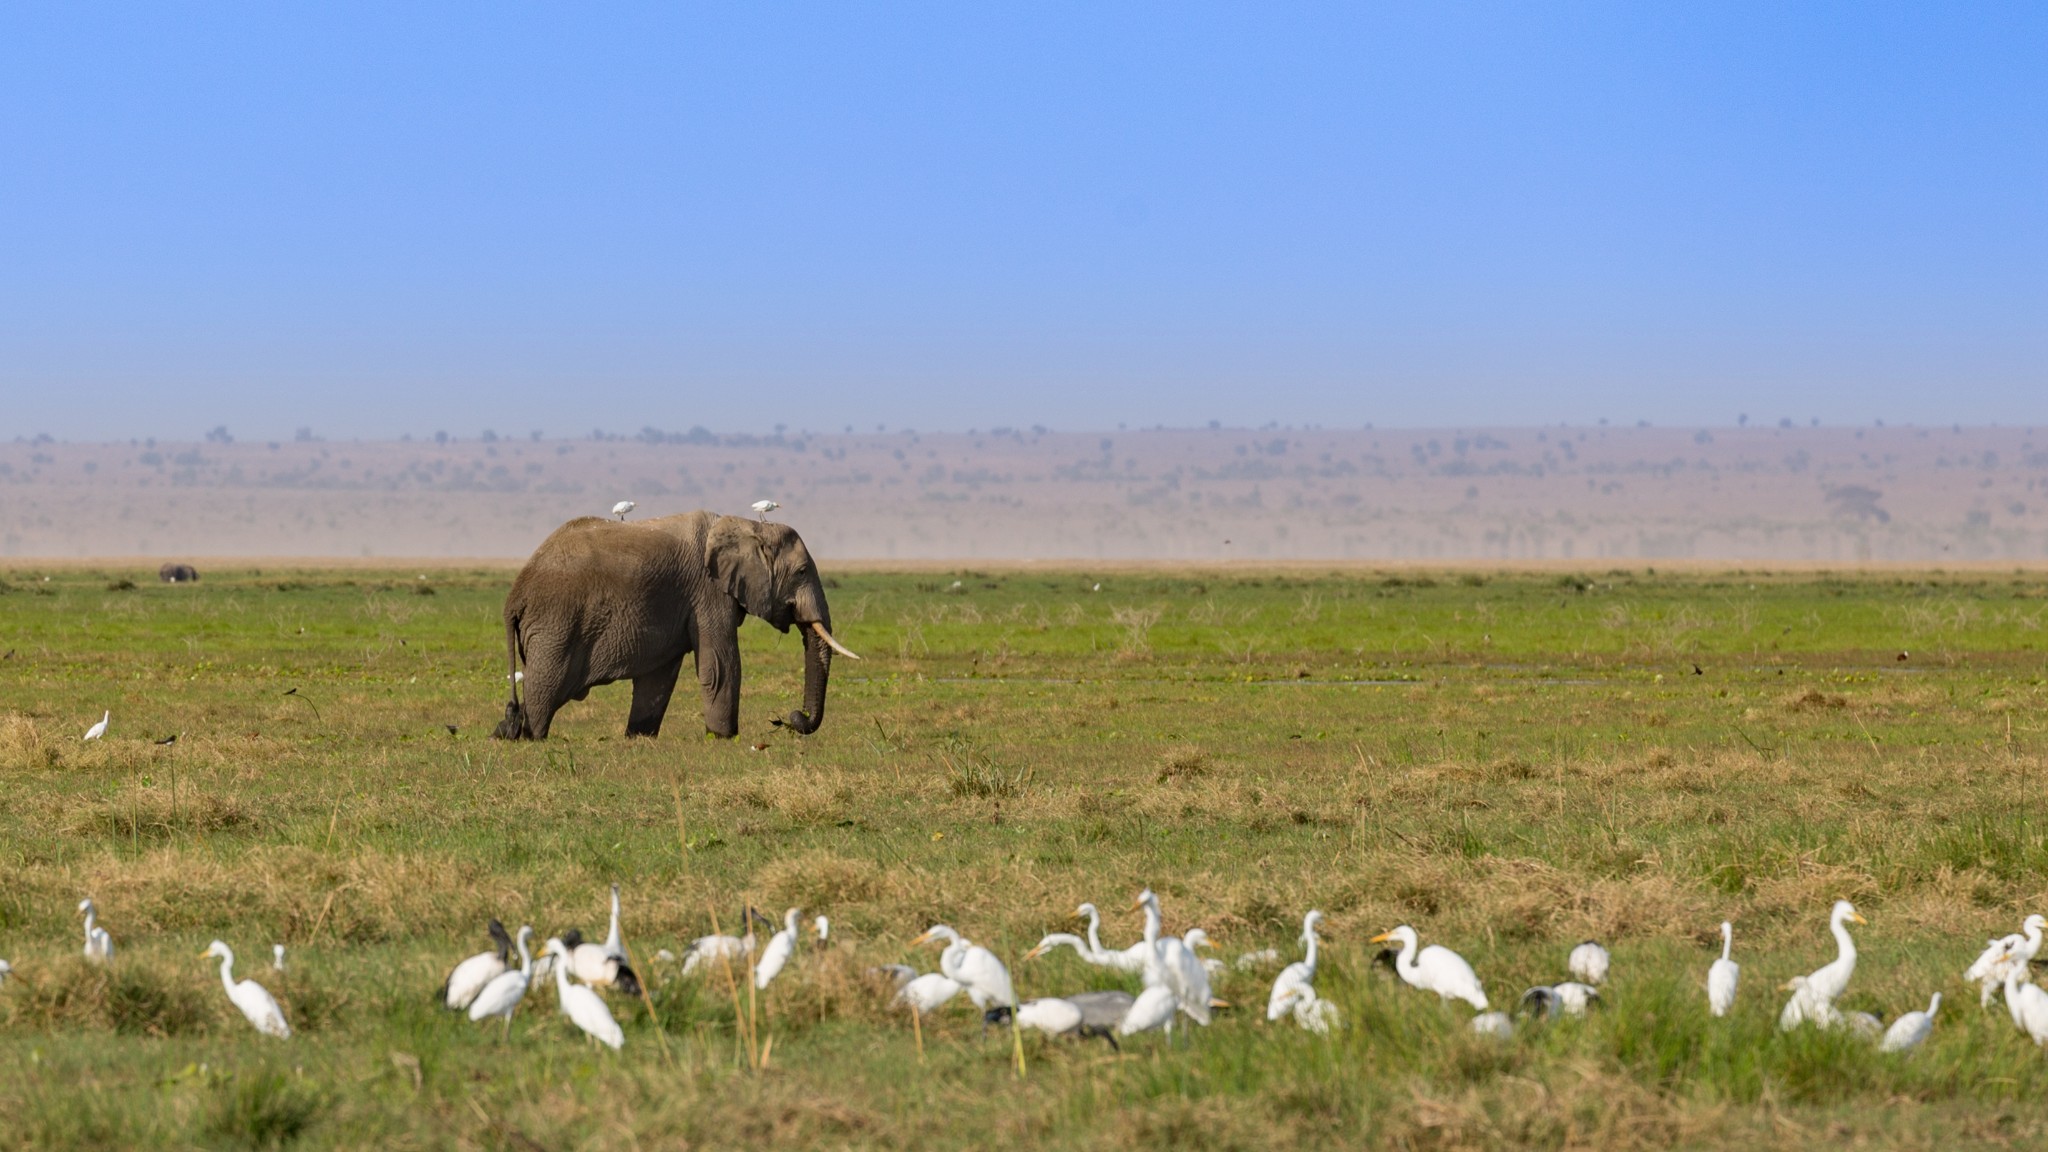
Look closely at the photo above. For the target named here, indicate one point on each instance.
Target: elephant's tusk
(827, 638)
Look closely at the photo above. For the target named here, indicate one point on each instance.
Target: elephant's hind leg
(650, 700)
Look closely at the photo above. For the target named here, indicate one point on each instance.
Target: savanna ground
(1510, 762)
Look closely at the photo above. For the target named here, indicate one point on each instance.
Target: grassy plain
(1511, 762)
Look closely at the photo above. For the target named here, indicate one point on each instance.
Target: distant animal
(502, 995)
(1493, 1024)
(175, 573)
(775, 956)
(622, 507)
(6, 970)
(100, 729)
(2016, 950)
(600, 602)
(99, 945)
(594, 965)
(1567, 999)
(582, 1006)
(256, 1003)
(169, 740)
(1437, 969)
(824, 929)
(1910, 1030)
(470, 976)
(763, 507)
(1588, 962)
(277, 957)
(1723, 975)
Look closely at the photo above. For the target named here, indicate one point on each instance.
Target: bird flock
(1175, 979)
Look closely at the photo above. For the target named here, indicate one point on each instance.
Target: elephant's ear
(736, 559)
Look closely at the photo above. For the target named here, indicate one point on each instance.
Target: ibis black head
(500, 938)
(571, 939)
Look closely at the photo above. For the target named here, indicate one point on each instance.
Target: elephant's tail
(513, 726)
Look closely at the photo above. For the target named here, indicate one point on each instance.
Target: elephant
(174, 573)
(607, 600)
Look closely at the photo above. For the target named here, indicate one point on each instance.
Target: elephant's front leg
(718, 671)
(650, 700)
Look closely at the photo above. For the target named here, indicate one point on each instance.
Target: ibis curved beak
(1382, 938)
(836, 646)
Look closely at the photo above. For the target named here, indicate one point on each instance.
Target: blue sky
(374, 220)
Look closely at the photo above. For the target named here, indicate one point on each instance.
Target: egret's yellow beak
(204, 955)
(920, 939)
(1858, 917)
(1787, 986)
(1033, 953)
(1215, 1003)
(1382, 938)
(1136, 905)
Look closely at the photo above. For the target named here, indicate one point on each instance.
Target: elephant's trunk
(817, 670)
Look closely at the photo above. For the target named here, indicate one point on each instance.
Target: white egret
(1493, 1024)
(1723, 975)
(1911, 1030)
(1130, 959)
(928, 992)
(1827, 983)
(973, 967)
(1050, 1015)
(470, 976)
(593, 965)
(1052, 940)
(715, 948)
(1178, 964)
(1864, 1024)
(6, 970)
(778, 951)
(100, 729)
(823, 928)
(277, 957)
(1258, 959)
(501, 996)
(582, 1006)
(1157, 1005)
(2028, 1004)
(1437, 969)
(99, 945)
(1569, 998)
(1299, 977)
(622, 507)
(1588, 962)
(1805, 1007)
(614, 944)
(763, 507)
(256, 1003)
(2018, 949)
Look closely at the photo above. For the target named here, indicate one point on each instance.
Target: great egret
(1130, 959)
(2018, 949)
(1804, 1007)
(593, 965)
(100, 729)
(780, 947)
(1494, 1024)
(928, 992)
(502, 995)
(277, 957)
(582, 1006)
(1569, 998)
(1299, 978)
(1723, 975)
(1437, 969)
(99, 946)
(256, 1004)
(1827, 983)
(1178, 964)
(470, 976)
(1911, 1030)
(2028, 1004)
(622, 507)
(823, 928)
(763, 507)
(1588, 962)
(614, 944)
(973, 967)
(1157, 1005)
(1052, 940)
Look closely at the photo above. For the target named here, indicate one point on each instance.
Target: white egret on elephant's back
(622, 507)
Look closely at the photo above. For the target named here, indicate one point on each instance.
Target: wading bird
(1130, 959)
(595, 966)
(973, 967)
(614, 944)
(824, 929)
(582, 1006)
(1437, 969)
(100, 729)
(502, 995)
(781, 947)
(1157, 1005)
(1911, 1030)
(1723, 975)
(714, 948)
(1825, 985)
(256, 1003)
(2028, 1005)
(1297, 981)
(470, 976)
(277, 957)
(99, 946)
(1052, 940)
(1493, 1024)
(1179, 966)
(1588, 962)
(928, 992)
(2017, 950)
(622, 507)
(763, 507)
(1569, 999)
(1804, 1007)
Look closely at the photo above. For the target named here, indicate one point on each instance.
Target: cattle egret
(99, 946)
(582, 1006)
(622, 507)
(470, 976)
(2029, 1006)
(1588, 962)
(780, 947)
(256, 1003)
(100, 729)
(277, 957)
(763, 507)
(501, 996)
(2017, 950)
(1723, 975)
(1437, 969)
(1911, 1030)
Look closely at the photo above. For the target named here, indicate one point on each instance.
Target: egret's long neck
(227, 971)
(91, 916)
(1406, 961)
(1152, 922)
(561, 976)
(2033, 936)
(1309, 930)
(1845, 947)
(1094, 929)
(525, 957)
(1727, 940)
(613, 937)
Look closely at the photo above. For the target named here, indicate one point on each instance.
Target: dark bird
(761, 747)
(1697, 671)
(1902, 657)
(290, 692)
(451, 729)
(171, 739)
(9, 656)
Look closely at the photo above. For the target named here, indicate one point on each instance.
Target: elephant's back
(591, 561)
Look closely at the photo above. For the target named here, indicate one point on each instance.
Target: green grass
(1511, 762)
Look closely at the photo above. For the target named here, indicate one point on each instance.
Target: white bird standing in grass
(582, 1006)
(501, 996)
(1437, 969)
(715, 948)
(470, 976)
(255, 1002)
(2017, 950)
(1052, 940)
(1297, 981)
(593, 965)
(100, 729)
(1826, 984)
(780, 947)
(1911, 1030)
(622, 507)
(1588, 962)
(1130, 959)
(1805, 1007)
(2028, 1005)
(1723, 975)
(973, 967)
(824, 929)
(614, 944)
(99, 946)
(1178, 964)
(1157, 1005)
(277, 958)
(1570, 998)
(928, 992)
(763, 507)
